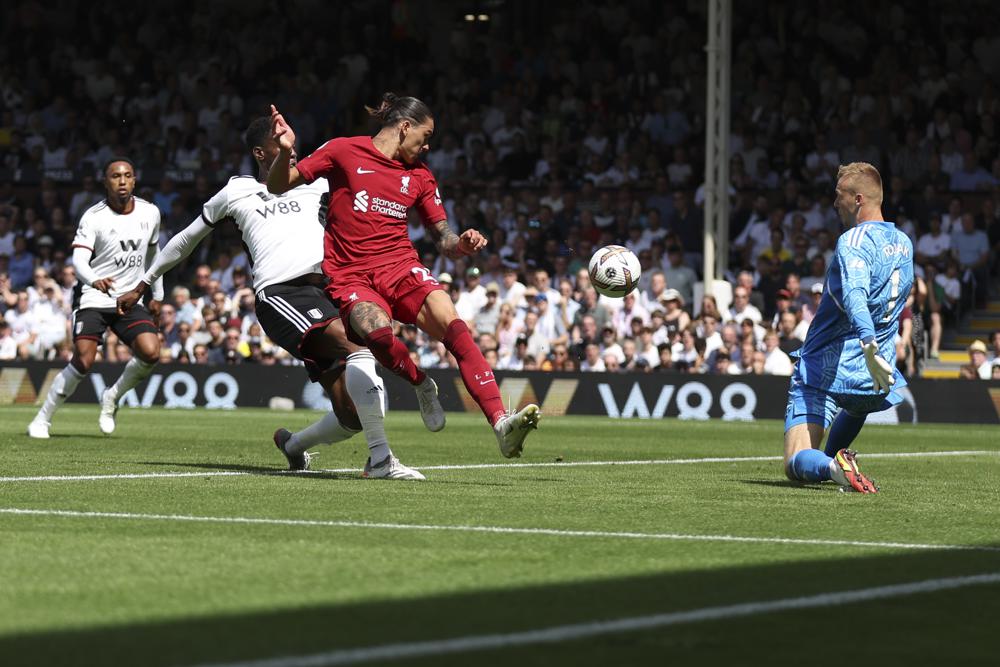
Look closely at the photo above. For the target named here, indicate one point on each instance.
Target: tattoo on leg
(366, 317)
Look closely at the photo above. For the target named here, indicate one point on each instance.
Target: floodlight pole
(717, 141)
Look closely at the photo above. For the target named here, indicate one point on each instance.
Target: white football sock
(62, 388)
(136, 370)
(365, 388)
(324, 432)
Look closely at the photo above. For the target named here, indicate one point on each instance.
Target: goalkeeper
(846, 367)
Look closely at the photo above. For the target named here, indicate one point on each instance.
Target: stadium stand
(546, 144)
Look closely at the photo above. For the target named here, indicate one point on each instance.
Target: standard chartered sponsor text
(388, 207)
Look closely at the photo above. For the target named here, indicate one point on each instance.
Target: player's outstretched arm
(282, 177)
(180, 246)
(454, 246)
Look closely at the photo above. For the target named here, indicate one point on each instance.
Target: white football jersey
(282, 234)
(120, 243)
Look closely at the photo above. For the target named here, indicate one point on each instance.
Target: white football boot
(430, 407)
(513, 428)
(38, 429)
(390, 468)
(109, 409)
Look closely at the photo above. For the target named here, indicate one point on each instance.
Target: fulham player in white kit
(283, 236)
(114, 244)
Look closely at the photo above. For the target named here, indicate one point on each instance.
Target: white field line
(502, 530)
(563, 633)
(473, 466)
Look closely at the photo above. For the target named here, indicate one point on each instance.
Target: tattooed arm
(453, 246)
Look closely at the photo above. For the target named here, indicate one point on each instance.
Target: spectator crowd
(559, 130)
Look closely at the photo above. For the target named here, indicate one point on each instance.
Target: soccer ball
(614, 271)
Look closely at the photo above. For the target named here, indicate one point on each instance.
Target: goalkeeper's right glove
(881, 371)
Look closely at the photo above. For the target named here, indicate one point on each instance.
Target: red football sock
(476, 373)
(392, 354)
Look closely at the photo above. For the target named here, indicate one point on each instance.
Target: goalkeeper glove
(879, 368)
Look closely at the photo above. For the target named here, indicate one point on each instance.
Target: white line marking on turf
(474, 466)
(552, 532)
(563, 633)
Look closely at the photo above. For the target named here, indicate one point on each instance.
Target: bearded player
(283, 236)
(114, 243)
(848, 360)
(374, 271)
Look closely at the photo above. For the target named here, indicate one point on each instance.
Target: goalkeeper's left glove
(881, 371)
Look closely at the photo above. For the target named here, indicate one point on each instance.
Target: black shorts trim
(291, 314)
(93, 323)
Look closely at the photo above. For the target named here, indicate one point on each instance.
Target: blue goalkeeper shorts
(811, 405)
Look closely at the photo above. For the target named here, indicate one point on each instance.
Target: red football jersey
(369, 197)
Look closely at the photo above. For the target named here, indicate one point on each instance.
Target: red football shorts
(400, 290)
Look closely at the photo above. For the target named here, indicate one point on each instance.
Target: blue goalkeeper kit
(866, 288)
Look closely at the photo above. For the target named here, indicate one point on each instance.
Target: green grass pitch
(137, 590)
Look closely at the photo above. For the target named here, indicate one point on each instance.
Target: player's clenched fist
(128, 300)
(471, 241)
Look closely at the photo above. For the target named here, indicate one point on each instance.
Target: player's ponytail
(394, 109)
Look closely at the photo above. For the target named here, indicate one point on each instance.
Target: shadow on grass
(952, 626)
(789, 484)
(262, 471)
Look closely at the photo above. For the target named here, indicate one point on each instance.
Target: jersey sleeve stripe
(80, 245)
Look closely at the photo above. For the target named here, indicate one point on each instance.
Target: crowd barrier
(626, 396)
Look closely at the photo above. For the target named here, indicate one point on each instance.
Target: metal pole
(716, 142)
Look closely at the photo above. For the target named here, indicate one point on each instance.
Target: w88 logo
(280, 208)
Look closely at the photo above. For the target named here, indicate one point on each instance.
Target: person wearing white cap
(978, 367)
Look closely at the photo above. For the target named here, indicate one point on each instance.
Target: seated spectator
(707, 330)
(934, 247)
(791, 333)
(186, 311)
(21, 264)
(679, 276)
(622, 320)
(507, 330)
(808, 311)
(559, 360)
(776, 252)
(675, 318)
(776, 361)
(8, 346)
(592, 362)
(684, 352)
(651, 296)
(971, 248)
(948, 291)
(609, 343)
(742, 309)
(538, 342)
(488, 317)
(666, 358)
(745, 279)
(978, 368)
(723, 365)
(971, 176)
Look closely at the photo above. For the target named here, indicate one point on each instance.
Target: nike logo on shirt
(365, 171)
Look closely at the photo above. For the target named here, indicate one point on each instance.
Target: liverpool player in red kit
(374, 271)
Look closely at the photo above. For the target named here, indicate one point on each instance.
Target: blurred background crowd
(560, 128)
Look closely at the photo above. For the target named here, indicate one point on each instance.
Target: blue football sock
(810, 465)
(844, 430)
